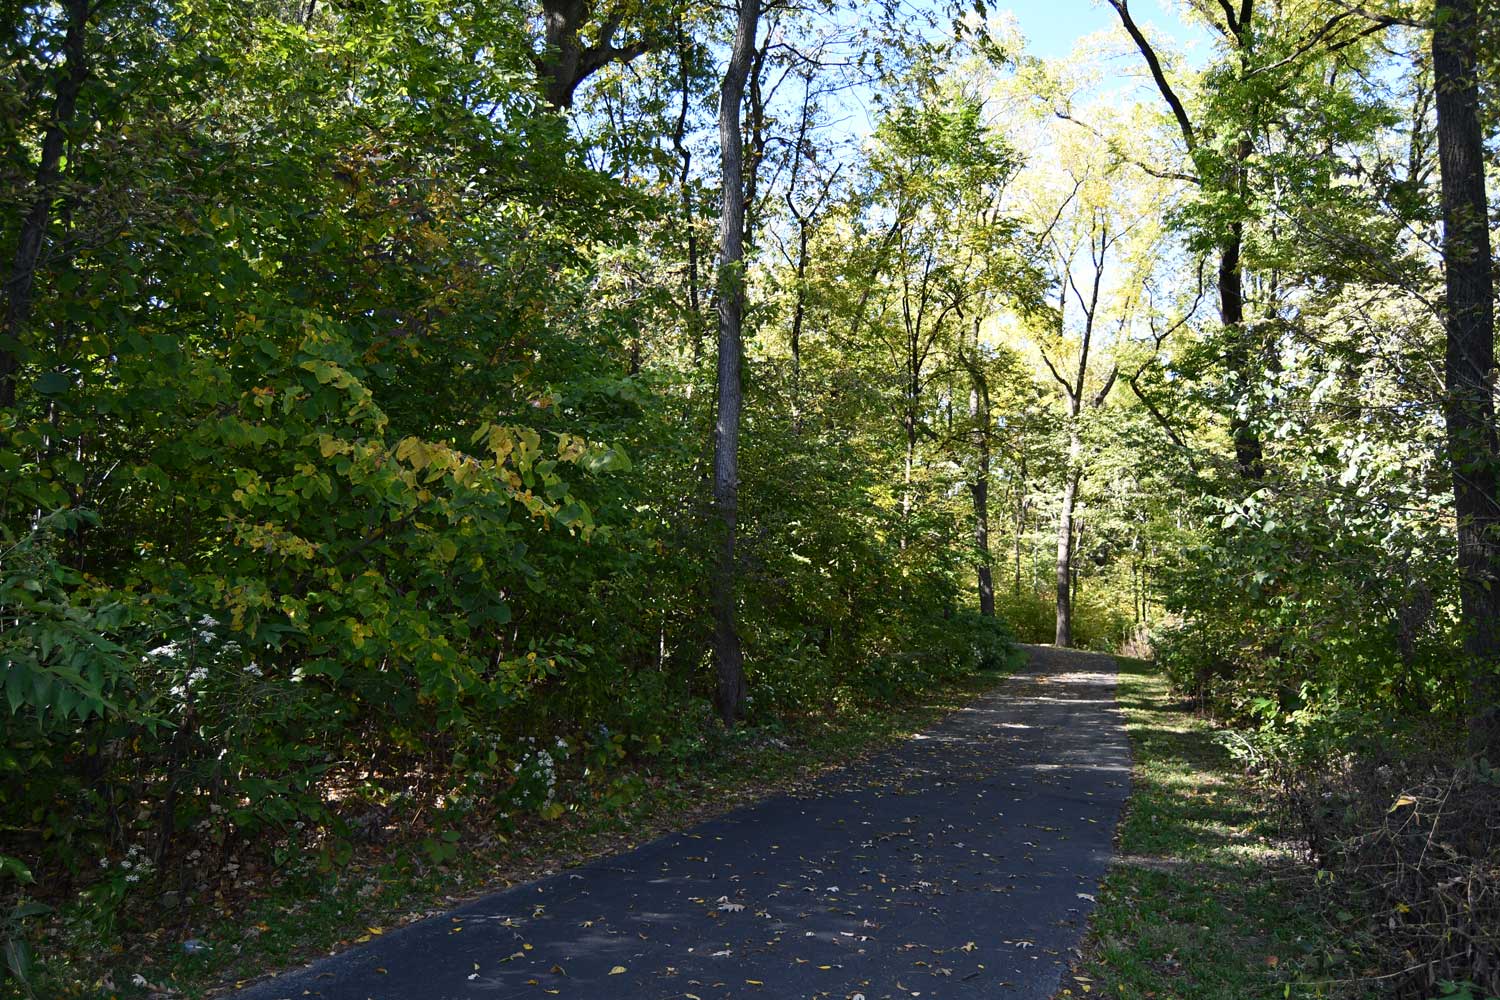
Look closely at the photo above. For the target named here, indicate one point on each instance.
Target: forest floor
(960, 863)
(1205, 900)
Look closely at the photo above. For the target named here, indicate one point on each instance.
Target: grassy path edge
(1204, 901)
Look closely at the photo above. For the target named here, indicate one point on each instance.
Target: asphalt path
(961, 863)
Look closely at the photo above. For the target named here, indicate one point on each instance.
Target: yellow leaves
(500, 441)
(570, 447)
(519, 444)
(1405, 800)
(437, 459)
(618, 970)
(417, 452)
(358, 633)
(273, 539)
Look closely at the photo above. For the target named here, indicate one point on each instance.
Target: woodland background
(417, 416)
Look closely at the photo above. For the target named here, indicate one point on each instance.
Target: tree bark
(565, 61)
(1248, 451)
(20, 283)
(979, 407)
(909, 425)
(728, 657)
(1470, 325)
(983, 569)
(1064, 634)
(685, 175)
(805, 222)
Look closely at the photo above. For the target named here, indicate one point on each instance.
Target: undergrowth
(269, 918)
(1205, 902)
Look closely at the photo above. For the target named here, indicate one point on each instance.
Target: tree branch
(1157, 74)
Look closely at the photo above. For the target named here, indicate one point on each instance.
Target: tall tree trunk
(21, 281)
(729, 660)
(685, 175)
(1064, 636)
(1247, 445)
(1470, 323)
(909, 424)
(979, 406)
(1248, 451)
(798, 311)
(984, 571)
(1021, 502)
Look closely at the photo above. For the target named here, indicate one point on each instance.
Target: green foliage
(354, 485)
(15, 949)
(1097, 624)
(1203, 896)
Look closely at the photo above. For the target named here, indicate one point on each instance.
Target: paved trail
(959, 864)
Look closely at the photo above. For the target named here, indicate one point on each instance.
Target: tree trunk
(983, 569)
(1248, 452)
(979, 415)
(22, 279)
(728, 657)
(798, 311)
(685, 175)
(1064, 635)
(980, 488)
(565, 62)
(1021, 502)
(1470, 324)
(909, 425)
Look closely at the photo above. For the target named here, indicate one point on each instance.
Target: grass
(314, 909)
(1205, 901)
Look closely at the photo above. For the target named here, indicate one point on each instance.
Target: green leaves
(52, 383)
(61, 662)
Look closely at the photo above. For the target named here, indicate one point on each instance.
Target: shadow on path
(960, 863)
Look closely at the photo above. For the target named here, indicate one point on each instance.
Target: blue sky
(1053, 27)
